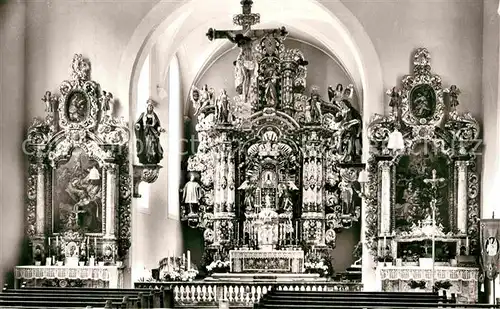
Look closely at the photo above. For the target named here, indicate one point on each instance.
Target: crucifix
(246, 65)
(434, 182)
(246, 19)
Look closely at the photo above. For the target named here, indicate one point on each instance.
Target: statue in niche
(346, 195)
(147, 131)
(270, 89)
(192, 193)
(267, 201)
(249, 189)
(246, 70)
(222, 107)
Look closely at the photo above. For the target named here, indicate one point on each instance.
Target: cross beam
(246, 19)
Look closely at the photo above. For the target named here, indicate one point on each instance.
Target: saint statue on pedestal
(147, 131)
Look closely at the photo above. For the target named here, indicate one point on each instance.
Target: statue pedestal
(269, 261)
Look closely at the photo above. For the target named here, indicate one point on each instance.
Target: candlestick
(57, 240)
(296, 232)
(189, 260)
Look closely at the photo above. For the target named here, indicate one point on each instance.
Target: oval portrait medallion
(77, 107)
(423, 101)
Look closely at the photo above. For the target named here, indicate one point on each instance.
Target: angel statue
(147, 131)
(191, 193)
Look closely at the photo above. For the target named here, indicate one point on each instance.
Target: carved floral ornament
(419, 116)
(78, 118)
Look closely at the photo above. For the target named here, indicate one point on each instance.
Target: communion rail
(238, 293)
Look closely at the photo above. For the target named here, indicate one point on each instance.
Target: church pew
(354, 305)
(165, 296)
(64, 297)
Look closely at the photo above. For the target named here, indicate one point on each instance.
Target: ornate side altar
(266, 183)
(423, 190)
(78, 199)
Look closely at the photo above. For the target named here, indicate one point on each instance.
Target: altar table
(463, 280)
(275, 261)
(67, 276)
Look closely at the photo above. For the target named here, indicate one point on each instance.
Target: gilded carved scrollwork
(268, 159)
(432, 139)
(75, 146)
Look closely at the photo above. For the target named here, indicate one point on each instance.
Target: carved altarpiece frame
(79, 121)
(449, 134)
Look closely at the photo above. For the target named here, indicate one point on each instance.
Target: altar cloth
(272, 261)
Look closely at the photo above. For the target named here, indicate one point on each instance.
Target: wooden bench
(87, 297)
(355, 300)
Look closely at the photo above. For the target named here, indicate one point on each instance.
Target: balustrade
(210, 293)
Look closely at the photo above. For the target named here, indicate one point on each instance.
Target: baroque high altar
(267, 181)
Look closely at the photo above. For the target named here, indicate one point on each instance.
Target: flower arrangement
(444, 285)
(417, 284)
(218, 267)
(176, 271)
(179, 274)
(316, 267)
(317, 264)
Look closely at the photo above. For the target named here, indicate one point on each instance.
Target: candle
(49, 241)
(385, 244)
(95, 245)
(57, 241)
(467, 245)
(184, 259)
(189, 260)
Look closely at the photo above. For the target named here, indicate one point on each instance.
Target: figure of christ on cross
(245, 65)
(434, 182)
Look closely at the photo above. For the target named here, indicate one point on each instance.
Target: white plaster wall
(450, 30)
(12, 122)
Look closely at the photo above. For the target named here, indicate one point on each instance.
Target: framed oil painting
(77, 107)
(77, 196)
